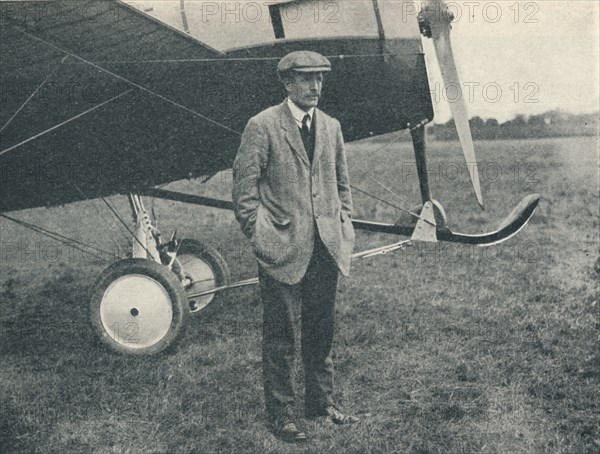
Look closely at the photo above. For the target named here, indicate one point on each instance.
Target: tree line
(548, 124)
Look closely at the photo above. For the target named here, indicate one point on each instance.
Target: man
(292, 199)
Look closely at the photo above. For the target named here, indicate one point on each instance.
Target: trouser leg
(318, 313)
(278, 345)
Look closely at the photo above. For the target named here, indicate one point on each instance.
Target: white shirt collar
(299, 114)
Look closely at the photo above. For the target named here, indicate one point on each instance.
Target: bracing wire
(98, 211)
(114, 211)
(130, 82)
(61, 238)
(224, 59)
(39, 87)
(379, 183)
(6, 150)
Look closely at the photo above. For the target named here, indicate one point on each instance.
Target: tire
(205, 268)
(138, 307)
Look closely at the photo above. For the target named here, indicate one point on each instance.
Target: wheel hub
(136, 311)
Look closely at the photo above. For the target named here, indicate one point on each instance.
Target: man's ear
(287, 79)
(287, 82)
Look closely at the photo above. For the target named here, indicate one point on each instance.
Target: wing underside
(101, 98)
(75, 123)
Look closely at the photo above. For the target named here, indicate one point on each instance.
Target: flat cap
(304, 61)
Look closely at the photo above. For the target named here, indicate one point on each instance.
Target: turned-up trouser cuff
(315, 294)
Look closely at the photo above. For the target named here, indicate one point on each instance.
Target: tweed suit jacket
(282, 201)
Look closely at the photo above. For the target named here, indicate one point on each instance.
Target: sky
(527, 57)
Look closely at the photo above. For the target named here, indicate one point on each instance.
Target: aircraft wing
(73, 130)
(101, 97)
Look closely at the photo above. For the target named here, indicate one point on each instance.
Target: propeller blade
(439, 19)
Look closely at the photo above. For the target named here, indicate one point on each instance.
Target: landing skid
(514, 222)
(511, 225)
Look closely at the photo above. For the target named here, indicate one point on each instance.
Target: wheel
(205, 268)
(138, 307)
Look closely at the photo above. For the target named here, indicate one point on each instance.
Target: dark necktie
(305, 133)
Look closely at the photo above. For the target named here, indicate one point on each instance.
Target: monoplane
(168, 88)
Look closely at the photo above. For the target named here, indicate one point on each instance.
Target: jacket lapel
(320, 134)
(292, 133)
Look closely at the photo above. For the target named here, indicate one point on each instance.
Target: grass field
(441, 349)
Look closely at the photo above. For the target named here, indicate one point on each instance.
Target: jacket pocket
(271, 237)
(279, 222)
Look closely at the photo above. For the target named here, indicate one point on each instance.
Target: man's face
(304, 89)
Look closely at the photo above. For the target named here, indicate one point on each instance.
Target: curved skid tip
(511, 225)
(525, 208)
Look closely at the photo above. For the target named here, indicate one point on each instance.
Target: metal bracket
(425, 230)
(381, 250)
(145, 241)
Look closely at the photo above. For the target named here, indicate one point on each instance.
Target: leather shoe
(287, 430)
(332, 413)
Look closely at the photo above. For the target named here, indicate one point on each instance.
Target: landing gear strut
(140, 305)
